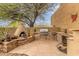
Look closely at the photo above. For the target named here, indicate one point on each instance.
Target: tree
(27, 13)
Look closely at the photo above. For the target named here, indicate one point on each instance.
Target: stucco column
(73, 45)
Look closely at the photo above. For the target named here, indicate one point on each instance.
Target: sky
(3, 23)
(47, 16)
(46, 21)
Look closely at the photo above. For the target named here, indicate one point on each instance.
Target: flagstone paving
(41, 47)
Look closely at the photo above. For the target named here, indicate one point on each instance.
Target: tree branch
(35, 13)
(25, 22)
(28, 18)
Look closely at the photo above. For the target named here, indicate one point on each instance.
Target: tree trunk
(31, 29)
(31, 24)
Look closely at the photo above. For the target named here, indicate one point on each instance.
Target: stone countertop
(62, 33)
(9, 41)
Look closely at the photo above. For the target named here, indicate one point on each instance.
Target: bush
(2, 37)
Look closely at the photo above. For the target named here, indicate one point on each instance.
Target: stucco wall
(62, 17)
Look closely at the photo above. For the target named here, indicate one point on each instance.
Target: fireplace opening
(23, 34)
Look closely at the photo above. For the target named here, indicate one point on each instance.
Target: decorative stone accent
(8, 46)
(21, 41)
(31, 38)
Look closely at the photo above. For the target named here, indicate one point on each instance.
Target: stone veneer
(8, 46)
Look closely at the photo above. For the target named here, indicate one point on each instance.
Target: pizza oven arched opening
(23, 34)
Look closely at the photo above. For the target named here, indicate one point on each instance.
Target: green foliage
(2, 33)
(13, 24)
(6, 30)
(6, 10)
(26, 13)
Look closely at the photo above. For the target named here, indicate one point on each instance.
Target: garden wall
(8, 46)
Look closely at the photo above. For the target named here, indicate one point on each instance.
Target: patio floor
(41, 47)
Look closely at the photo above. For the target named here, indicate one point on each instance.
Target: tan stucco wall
(62, 17)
